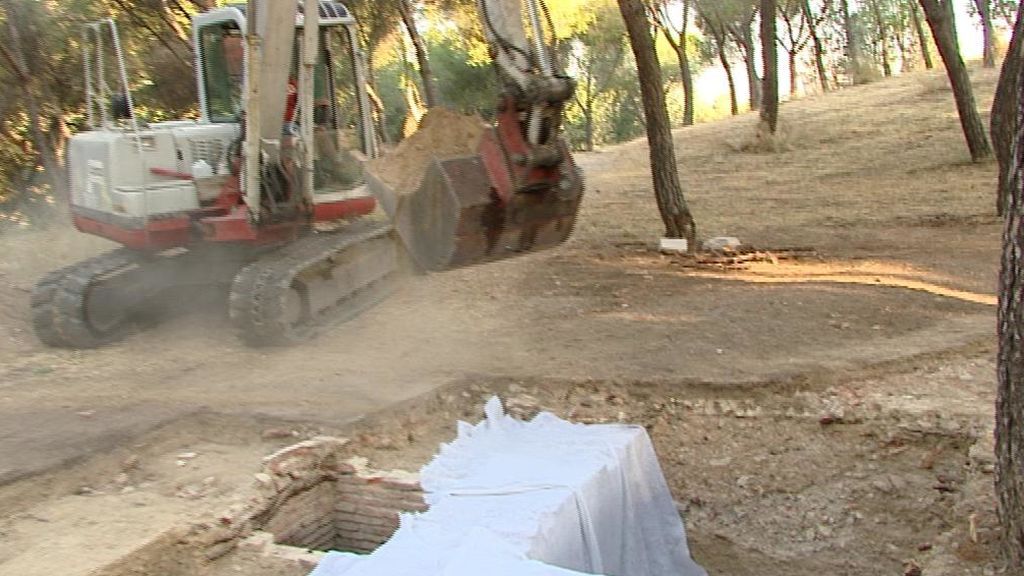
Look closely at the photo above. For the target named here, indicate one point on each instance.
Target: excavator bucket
(456, 218)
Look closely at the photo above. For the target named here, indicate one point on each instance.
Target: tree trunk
(420, 47)
(793, 77)
(53, 171)
(588, 126)
(745, 40)
(686, 75)
(852, 45)
(1003, 124)
(883, 38)
(819, 50)
(926, 54)
(684, 68)
(769, 55)
(989, 50)
(939, 14)
(685, 72)
(734, 107)
(665, 174)
(906, 62)
(1009, 430)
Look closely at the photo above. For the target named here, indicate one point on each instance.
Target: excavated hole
(349, 513)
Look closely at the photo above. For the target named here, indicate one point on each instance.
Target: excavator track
(294, 293)
(72, 308)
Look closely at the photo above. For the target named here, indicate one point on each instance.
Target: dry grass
(861, 159)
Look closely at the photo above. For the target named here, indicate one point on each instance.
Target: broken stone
(721, 244)
(277, 433)
(982, 452)
(130, 463)
(910, 568)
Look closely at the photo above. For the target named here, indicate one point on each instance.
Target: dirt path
(875, 182)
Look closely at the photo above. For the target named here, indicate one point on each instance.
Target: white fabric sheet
(537, 498)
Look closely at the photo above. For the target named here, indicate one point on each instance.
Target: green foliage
(46, 39)
(463, 83)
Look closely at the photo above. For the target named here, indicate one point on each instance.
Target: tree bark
(769, 55)
(987, 35)
(675, 213)
(852, 45)
(883, 38)
(797, 41)
(420, 47)
(939, 14)
(819, 50)
(685, 71)
(793, 76)
(684, 67)
(906, 62)
(14, 56)
(926, 54)
(734, 107)
(745, 40)
(1003, 123)
(687, 78)
(1009, 430)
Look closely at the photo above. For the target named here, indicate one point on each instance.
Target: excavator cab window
(223, 70)
(337, 130)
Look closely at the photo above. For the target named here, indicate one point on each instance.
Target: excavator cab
(342, 132)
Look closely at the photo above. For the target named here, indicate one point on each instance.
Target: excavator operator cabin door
(343, 139)
(220, 71)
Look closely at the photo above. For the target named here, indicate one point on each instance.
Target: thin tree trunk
(793, 76)
(883, 38)
(1009, 430)
(852, 45)
(420, 47)
(939, 14)
(684, 67)
(987, 35)
(687, 77)
(665, 174)
(1003, 123)
(926, 54)
(744, 39)
(375, 101)
(769, 55)
(14, 55)
(588, 126)
(734, 107)
(685, 71)
(906, 62)
(819, 50)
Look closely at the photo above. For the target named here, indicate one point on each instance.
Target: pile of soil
(443, 133)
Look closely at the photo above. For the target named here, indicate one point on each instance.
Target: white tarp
(545, 497)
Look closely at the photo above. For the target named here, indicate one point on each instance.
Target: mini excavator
(239, 198)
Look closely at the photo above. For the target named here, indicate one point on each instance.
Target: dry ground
(816, 415)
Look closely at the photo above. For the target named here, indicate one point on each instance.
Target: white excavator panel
(111, 171)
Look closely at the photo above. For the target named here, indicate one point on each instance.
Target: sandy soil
(818, 414)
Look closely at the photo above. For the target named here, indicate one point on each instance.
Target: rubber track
(259, 293)
(58, 302)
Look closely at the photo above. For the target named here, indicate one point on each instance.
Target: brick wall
(366, 508)
(317, 501)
